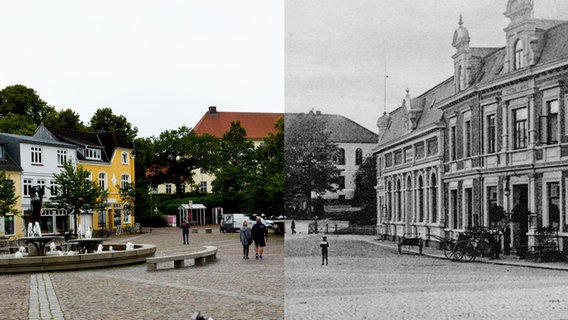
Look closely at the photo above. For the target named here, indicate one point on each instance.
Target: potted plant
(496, 214)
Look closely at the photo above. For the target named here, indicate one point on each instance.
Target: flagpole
(386, 76)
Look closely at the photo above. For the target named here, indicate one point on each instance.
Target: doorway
(521, 217)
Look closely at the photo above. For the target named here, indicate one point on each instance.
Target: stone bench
(209, 254)
(410, 239)
(193, 230)
(208, 230)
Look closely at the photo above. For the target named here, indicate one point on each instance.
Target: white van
(232, 222)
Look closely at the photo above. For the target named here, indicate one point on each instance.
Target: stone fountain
(37, 260)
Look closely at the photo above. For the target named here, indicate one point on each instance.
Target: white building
(40, 159)
(355, 143)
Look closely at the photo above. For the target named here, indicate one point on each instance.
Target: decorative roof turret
(461, 36)
(518, 10)
(413, 110)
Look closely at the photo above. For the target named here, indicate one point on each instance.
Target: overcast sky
(161, 64)
(336, 50)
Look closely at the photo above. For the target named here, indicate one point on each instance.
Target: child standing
(185, 231)
(324, 245)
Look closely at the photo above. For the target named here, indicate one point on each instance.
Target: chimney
(212, 110)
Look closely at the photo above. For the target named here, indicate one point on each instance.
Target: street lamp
(507, 191)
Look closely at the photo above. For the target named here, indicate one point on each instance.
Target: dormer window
(518, 58)
(92, 154)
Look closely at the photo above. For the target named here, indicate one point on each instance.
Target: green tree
(19, 99)
(8, 197)
(65, 119)
(76, 191)
(309, 160)
(143, 205)
(17, 124)
(266, 194)
(236, 166)
(177, 153)
(127, 197)
(105, 119)
(365, 194)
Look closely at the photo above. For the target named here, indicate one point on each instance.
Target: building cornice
(415, 134)
(506, 80)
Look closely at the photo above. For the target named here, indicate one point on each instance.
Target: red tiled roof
(256, 124)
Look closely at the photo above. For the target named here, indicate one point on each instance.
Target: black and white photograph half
(426, 159)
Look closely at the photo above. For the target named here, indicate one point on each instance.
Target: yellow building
(12, 225)
(110, 159)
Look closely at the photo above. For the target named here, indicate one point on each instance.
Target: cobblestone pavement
(366, 281)
(230, 288)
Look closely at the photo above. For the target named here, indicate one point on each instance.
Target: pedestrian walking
(293, 227)
(260, 237)
(246, 239)
(185, 231)
(324, 245)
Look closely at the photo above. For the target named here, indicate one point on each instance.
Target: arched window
(358, 156)
(398, 200)
(124, 157)
(409, 210)
(389, 201)
(434, 198)
(518, 59)
(420, 199)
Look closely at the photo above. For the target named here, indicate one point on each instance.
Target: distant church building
(494, 135)
(355, 143)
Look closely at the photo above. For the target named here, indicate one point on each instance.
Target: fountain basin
(119, 256)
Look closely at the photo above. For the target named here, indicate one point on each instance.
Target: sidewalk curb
(534, 265)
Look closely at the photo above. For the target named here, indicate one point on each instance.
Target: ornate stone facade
(501, 131)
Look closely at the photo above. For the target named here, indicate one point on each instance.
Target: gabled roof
(256, 124)
(482, 52)
(342, 129)
(431, 114)
(107, 141)
(555, 43)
